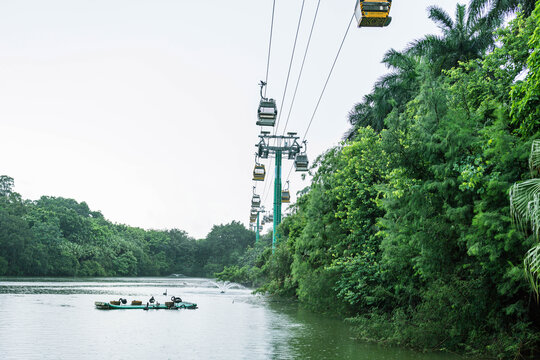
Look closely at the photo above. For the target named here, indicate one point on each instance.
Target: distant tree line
(54, 236)
(406, 228)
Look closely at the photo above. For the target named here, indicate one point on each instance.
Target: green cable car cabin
(253, 215)
(255, 201)
(262, 151)
(373, 13)
(259, 172)
(301, 162)
(267, 112)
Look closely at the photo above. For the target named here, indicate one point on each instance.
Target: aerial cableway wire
(269, 52)
(290, 66)
(301, 67)
(270, 45)
(326, 83)
(265, 194)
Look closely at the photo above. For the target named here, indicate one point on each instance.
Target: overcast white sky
(146, 109)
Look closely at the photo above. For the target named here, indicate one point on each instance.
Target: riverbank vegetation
(406, 228)
(55, 236)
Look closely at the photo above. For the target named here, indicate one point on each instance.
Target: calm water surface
(56, 319)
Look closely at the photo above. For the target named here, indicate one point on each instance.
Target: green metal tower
(277, 200)
(278, 145)
(258, 228)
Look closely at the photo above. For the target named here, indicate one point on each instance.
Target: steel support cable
(328, 78)
(266, 189)
(270, 45)
(268, 58)
(266, 192)
(290, 66)
(286, 84)
(326, 83)
(302, 67)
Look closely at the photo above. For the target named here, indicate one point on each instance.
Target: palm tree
(525, 207)
(392, 90)
(402, 81)
(466, 37)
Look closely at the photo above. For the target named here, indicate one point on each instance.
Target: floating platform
(169, 305)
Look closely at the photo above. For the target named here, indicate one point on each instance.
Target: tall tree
(466, 37)
(392, 90)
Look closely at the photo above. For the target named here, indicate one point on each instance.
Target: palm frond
(532, 269)
(521, 194)
(477, 8)
(460, 17)
(534, 158)
(388, 80)
(441, 18)
(533, 209)
(425, 46)
(390, 56)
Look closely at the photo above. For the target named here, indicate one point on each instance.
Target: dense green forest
(60, 237)
(406, 228)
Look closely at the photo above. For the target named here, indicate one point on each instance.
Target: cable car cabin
(373, 13)
(267, 113)
(259, 172)
(285, 196)
(301, 162)
(263, 152)
(255, 201)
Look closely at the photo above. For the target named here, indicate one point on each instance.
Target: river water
(42, 318)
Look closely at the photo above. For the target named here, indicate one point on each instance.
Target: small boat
(175, 304)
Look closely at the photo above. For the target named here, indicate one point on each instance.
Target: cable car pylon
(282, 144)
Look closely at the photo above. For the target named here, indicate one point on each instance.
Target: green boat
(175, 304)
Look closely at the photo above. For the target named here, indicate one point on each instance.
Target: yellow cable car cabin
(373, 13)
(259, 172)
(285, 196)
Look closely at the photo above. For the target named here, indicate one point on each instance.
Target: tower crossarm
(286, 144)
